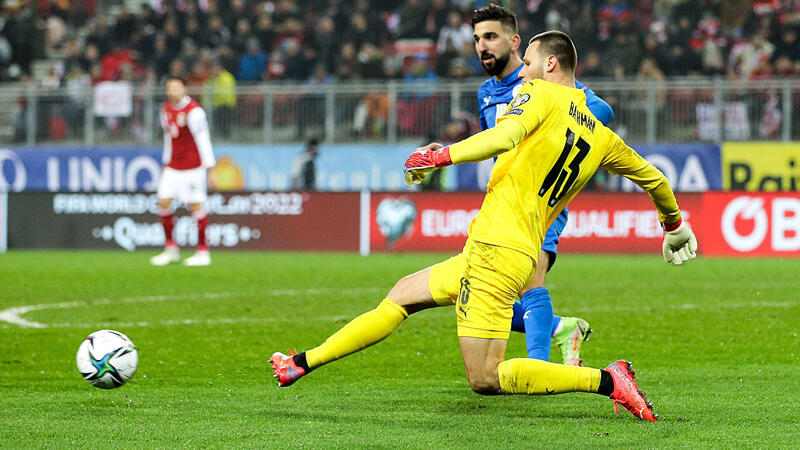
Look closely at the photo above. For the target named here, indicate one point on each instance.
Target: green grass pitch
(715, 345)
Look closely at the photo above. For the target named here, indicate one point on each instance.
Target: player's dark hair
(498, 13)
(176, 77)
(558, 44)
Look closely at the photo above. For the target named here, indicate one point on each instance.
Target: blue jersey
(494, 97)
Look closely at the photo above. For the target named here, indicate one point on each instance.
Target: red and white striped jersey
(187, 141)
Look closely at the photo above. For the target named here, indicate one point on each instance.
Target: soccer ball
(107, 359)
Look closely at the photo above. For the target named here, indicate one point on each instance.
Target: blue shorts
(550, 244)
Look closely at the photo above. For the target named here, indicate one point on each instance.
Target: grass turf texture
(715, 344)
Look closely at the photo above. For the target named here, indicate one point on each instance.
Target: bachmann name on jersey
(187, 141)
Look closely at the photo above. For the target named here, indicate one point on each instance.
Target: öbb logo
(776, 216)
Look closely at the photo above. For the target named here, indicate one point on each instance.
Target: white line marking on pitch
(14, 315)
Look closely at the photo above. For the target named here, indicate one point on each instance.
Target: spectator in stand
(391, 69)
(712, 59)
(347, 62)
(650, 73)
(754, 53)
(217, 34)
(228, 59)
(459, 68)
(192, 12)
(762, 71)
(95, 74)
(242, 36)
(291, 30)
(784, 68)
(319, 75)
(161, 57)
(99, 34)
(253, 63)
(626, 50)
(197, 77)
(125, 23)
(681, 34)
(72, 55)
(172, 36)
(358, 33)
(177, 69)
(444, 61)
(231, 15)
(286, 10)
(149, 19)
(76, 84)
(189, 52)
(788, 46)
(413, 17)
(593, 67)
(323, 38)
(655, 50)
(583, 29)
(265, 31)
(370, 62)
(708, 32)
(111, 63)
(194, 31)
(456, 32)
(557, 18)
(296, 65)
(222, 86)
(276, 67)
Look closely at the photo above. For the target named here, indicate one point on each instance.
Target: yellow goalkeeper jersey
(560, 146)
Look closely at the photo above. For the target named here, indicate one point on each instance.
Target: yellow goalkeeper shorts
(482, 282)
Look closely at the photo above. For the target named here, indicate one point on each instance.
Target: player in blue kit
(496, 43)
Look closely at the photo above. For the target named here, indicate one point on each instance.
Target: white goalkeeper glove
(680, 245)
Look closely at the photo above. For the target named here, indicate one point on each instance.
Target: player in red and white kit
(187, 157)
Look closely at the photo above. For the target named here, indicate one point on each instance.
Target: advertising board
(248, 221)
(751, 224)
(761, 166)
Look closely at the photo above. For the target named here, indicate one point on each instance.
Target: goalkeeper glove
(680, 245)
(425, 159)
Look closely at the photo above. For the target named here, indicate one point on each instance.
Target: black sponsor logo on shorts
(463, 293)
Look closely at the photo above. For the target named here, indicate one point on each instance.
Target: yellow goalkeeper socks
(535, 377)
(363, 331)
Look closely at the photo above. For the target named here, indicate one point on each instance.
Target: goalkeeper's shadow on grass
(517, 408)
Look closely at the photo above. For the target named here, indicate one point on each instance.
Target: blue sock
(517, 324)
(556, 321)
(538, 320)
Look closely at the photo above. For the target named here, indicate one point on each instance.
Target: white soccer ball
(107, 359)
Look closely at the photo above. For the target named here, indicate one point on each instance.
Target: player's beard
(499, 64)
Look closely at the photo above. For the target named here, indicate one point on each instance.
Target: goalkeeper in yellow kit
(548, 145)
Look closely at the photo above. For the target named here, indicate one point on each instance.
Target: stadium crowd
(240, 41)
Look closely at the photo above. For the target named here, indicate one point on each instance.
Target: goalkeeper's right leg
(411, 294)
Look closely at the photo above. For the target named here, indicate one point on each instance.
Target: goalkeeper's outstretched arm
(680, 244)
(484, 145)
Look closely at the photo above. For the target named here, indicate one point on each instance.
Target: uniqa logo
(748, 208)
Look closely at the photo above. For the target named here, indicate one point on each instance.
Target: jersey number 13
(559, 178)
